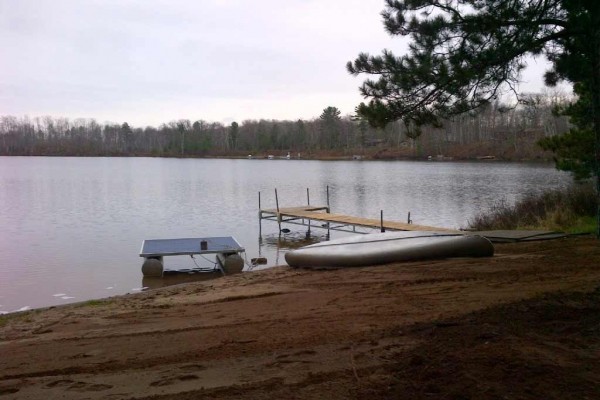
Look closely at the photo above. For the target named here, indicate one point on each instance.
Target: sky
(149, 62)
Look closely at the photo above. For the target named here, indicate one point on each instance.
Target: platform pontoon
(226, 249)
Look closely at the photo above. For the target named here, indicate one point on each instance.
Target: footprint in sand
(78, 386)
(174, 379)
(8, 390)
(192, 368)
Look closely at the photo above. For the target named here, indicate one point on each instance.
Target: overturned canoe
(383, 248)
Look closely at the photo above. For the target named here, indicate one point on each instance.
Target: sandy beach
(524, 324)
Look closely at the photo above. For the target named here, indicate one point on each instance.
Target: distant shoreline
(438, 158)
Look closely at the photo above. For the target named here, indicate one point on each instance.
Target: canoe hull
(384, 248)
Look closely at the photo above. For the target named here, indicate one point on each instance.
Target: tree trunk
(596, 119)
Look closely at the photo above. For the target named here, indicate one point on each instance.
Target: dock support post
(308, 200)
(382, 228)
(260, 217)
(328, 211)
(278, 214)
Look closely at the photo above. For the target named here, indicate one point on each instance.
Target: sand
(524, 324)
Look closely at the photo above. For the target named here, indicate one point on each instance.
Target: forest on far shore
(498, 130)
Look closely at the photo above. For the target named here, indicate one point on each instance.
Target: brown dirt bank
(524, 324)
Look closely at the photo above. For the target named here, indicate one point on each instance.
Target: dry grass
(572, 209)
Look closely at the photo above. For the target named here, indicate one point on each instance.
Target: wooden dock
(304, 215)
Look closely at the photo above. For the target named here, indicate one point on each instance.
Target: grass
(26, 315)
(94, 303)
(583, 225)
(23, 315)
(570, 210)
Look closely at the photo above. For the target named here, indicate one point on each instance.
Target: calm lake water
(72, 228)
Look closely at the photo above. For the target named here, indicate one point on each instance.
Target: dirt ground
(524, 324)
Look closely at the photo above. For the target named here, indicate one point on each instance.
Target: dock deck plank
(317, 213)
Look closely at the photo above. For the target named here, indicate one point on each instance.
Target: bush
(553, 210)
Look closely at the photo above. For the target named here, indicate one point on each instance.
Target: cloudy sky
(152, 61)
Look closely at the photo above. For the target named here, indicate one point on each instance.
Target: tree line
(496, 128)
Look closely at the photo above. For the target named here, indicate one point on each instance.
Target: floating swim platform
(226, 249)
(189, 246)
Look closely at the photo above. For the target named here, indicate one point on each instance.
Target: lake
(72, 228)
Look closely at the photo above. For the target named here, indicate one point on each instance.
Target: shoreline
(449, 159)
(316, 156)
(348, 333)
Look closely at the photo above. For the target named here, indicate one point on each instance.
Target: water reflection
(292, 240)
(179, 277)
(276, 244)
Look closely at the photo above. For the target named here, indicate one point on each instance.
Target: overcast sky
(152, 61)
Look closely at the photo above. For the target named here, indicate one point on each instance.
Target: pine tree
(465, 53)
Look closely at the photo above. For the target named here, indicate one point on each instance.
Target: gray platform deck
(189, 246)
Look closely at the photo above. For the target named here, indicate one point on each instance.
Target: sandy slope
(288, 333)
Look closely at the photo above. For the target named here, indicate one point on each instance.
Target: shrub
(552, 209)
